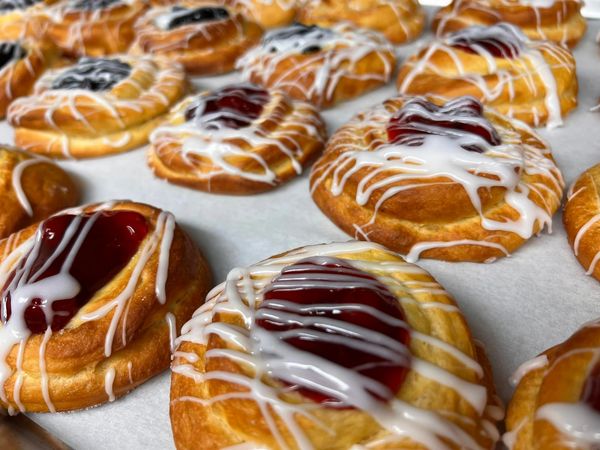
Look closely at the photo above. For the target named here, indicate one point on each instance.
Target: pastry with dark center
(206, 39)
(93, 74)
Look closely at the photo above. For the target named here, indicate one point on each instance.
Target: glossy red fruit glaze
(323, 282)
(456, 118)
(591, 390)
(233, 107)
(501, 40)
(112, 240)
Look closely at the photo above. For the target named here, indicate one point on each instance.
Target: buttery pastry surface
(240, 139)
(323, 66)
(285, 354)
(556, 404)
(267, 13)
(581, 219)
(93, 27)
(559, 21)
(436, 178)
(205, 38)
(31, 189)
(399, 21)
(533, 81)
(121, 315)
(22, 19)
(97, 107)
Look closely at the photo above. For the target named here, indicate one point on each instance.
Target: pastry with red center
(331, 346)
(204, 37)
(239, 139)
(556, 403)
(436, 178)
(531, 80)
(91, 300)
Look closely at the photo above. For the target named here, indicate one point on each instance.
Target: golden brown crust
(267, 13)
(268, 152)
(582, 220)
(203, 49)
(400, 21)
(18, 77)
(434, 212)
(526, 96)
(27, 23)
(205, 413)
(561, 22)
(93, 33)
(65, 123)
(559, 376)
(47, 189)
(346, 65)
(75, 359)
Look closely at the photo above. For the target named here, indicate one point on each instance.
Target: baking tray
(517, 306)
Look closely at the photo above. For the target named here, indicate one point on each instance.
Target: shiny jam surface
(232, 107)
(93, 74)
(455, 119)
(198, 15)
(501, 41)
(591, 390)
(110, 243)
(321, 284)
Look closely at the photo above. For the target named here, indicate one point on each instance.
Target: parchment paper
(518, 306)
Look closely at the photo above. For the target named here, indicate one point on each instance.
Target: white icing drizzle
(17, 175)
(442, 156)
(204, 136)
(535, 61)
(528, 366)
(109, 380)
(339, 50)
(63, 285)
(172, 324)
(577, 420)
(264, 352)
(129, 373)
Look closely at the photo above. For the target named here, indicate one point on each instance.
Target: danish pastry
(205, 39)
(21, 19)
(582, 220)
(557, 401)
(400, 21)
(93, 27)
(97, 107)
(31, 188)
(533, 81)
(240, 139)
(450, 181)
(320, 65)
(331, 346)
(21, 64)
(267, 13)
(92, 299)
(559, 21)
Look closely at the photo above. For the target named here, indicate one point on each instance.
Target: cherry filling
(335, 293)
(93, 74)
(458, 118)
(301, 38)
(92, 5)
(183, 16)
(501, 41)
(232, 107)
(591, 390)
(10, 51)
(11, 5)
(106, 247)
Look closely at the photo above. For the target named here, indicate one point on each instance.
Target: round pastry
(93, 27)
(21, 64)
(97, 107)
(205, 39)
(533, 81)
(239, 139)
(267, 13)
(557, 401)
(400, 21)
(320, 65)
(91, 303)
(582, 220)
(31, 188)
(449, 181)
(559, 21)
(22, 18)
(332, 346)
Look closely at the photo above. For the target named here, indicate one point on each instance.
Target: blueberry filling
(180, 16)
(92, 5)
(10, 51)
(304, 39)
(11, 5)
(93, 74)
